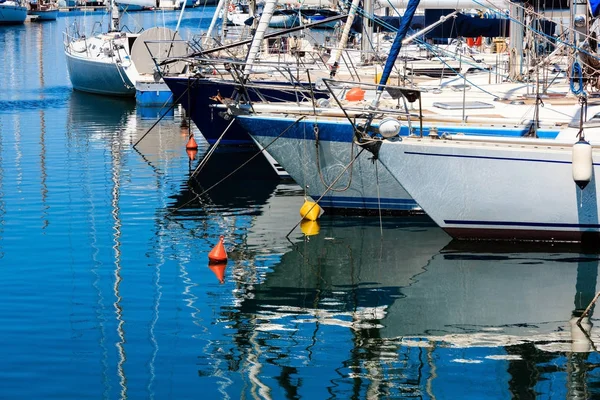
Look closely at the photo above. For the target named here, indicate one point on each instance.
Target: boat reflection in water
(353, 313)
(231, 180)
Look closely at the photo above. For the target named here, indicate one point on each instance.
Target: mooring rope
(202, 163)
(318, 160)
(378, 197)
(237, 169)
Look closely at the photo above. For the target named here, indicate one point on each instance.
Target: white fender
(582, 163)
(389, 127)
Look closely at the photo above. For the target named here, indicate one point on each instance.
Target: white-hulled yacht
(100, 64)
(111, 63)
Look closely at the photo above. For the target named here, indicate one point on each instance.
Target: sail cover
(465, 25)
(594, 7)
(397, 45)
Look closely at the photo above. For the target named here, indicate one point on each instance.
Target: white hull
(519, 189)
(12, 14)
(361, 187)
(102, 76)
(238, 19)
(112, 63)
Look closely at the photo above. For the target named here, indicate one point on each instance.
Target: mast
(213, 22)
(113, 11)
(344, 39)
(259, 36)
(515, 60)
(367, 30)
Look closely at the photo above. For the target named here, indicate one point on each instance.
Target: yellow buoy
(309, 228)
(310, 210)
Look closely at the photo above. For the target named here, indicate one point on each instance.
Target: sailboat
(511, 188)
(213, 84)
(317, 144)
(111, 63)
(99, 64)
(12, 12)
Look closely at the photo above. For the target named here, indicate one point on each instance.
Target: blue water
(106, 292)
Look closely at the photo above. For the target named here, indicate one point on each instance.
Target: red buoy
(191, 144)
(219, 270)
(218, 253)
(191, 153)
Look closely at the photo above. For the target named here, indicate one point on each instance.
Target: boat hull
(489, 190)
(284, 21)
(99, 77)
(213, 123)
(12, 15)
(363, 188)
(48, 15)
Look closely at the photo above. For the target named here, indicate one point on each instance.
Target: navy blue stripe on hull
(522, 224)
(367, 203)
(524, 234)
(488, 157)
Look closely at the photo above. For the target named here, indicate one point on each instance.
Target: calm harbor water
(105, 289)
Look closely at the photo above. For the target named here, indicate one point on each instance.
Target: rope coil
(577, 75)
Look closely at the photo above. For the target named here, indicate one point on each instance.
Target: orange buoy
(191, 144)
(218, 253)
(355, 94)
(191, 153)
(219, 270)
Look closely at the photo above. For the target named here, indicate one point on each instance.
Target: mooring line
(204, 160)
(238, 168)
(327, 190)
(378, 197)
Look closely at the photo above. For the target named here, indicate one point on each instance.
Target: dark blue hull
(212, 122)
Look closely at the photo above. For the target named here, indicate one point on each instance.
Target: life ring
(231, 7)
(474, 41)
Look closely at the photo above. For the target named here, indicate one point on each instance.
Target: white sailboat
(522, 188)
(12, 12)
(111, 63)
(100, 64)
(315, 143)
